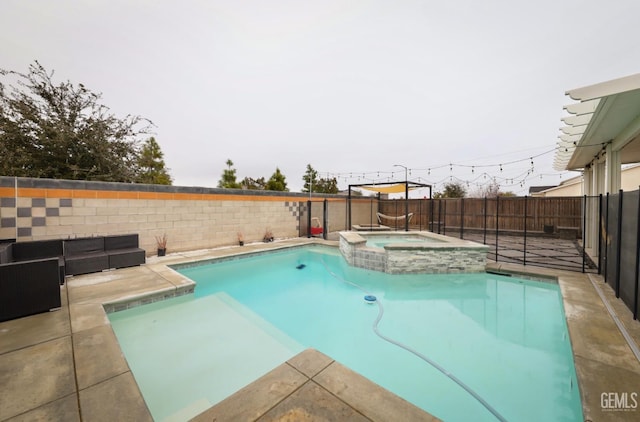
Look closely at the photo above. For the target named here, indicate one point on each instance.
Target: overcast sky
(350, 87)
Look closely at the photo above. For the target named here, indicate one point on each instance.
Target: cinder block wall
(192, 218)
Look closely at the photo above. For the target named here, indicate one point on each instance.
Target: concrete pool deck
(67, 365)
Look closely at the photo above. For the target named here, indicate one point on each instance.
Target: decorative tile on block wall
(8, 202)
(32, 213)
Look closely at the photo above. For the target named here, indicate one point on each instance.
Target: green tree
(228, 179)
(253, 184)
(314, 184)
(329, 185)
(310, 179)
(61, 131)
(277, 181)
(451, 190)
(151, 167)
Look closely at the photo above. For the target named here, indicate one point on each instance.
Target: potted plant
(240, 239)
(268, 235)
(162, 244)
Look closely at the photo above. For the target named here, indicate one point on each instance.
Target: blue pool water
(380, 241)
(505, 338)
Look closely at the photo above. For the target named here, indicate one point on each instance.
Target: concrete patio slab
(311, 386)
(312, 403)
(98, 356)
(257, 398)
(64, 409)
(116, 399)
(113, 285)
(618, 381)
(310, 362)
(36, 375)
(24, 332)
(85, 316)
(368, 398)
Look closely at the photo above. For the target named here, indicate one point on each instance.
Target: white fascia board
(605, 89)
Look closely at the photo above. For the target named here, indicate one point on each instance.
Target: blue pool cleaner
(301, 266)
(370, 299)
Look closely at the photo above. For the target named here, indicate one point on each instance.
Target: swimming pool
(505, 338)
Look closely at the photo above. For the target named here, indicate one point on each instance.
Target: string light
(505, 169)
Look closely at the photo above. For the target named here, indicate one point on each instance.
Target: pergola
(391, 187)
(601, 133)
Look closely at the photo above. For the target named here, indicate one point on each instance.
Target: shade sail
(397, 188)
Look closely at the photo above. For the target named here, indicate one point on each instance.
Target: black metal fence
(547, 232)
(620, 245)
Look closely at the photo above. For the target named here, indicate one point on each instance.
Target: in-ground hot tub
(412, 252)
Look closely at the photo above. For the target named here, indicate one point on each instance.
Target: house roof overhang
(606, 113)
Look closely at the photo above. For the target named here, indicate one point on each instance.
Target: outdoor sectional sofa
(30, 278)
(29, 287)
(38, 249)
(31, 272)
(92, 254)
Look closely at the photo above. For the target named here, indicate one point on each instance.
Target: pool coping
(92, 376)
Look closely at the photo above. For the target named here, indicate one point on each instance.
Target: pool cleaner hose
(452, 377)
